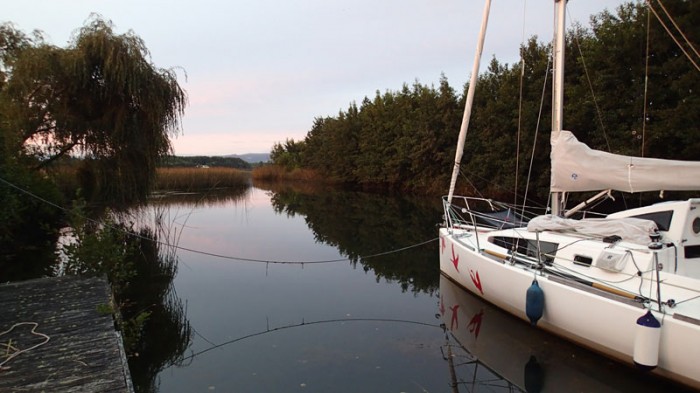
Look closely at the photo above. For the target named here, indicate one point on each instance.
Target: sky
(258, 72)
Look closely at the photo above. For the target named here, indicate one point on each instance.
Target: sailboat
(626, 285)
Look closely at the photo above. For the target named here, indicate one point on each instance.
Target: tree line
(211, 161)
(406, 139)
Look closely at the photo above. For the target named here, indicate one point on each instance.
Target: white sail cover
(577, 167)
(635, 230)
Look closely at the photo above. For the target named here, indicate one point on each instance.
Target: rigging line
(304, 323)
(634, 261)
(599, 115)
(461, 172)
(646, 86)
(211, 254)
(494, 184)
(520, 109)
(673, 37)
(537, 132)
(687, 300)
(575, 274)
(564, 268)
(687, 41)
(627, 252)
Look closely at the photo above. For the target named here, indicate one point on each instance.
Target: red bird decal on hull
(476, 280)
(455, 258)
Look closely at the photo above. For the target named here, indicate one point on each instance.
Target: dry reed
(198, 179)
(278, 173)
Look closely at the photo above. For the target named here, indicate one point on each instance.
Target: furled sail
(635, 230)
(577, 167)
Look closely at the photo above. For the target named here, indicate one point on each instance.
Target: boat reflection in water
(529, 358)
(468, 373)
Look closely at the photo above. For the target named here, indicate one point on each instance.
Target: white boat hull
(600, 323)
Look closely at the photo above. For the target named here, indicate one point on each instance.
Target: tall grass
(198, 179)
(277, 173)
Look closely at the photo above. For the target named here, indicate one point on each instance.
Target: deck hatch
(582, 260)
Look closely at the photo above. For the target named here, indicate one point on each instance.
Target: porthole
(696, 225)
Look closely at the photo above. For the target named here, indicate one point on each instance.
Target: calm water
(360, 324)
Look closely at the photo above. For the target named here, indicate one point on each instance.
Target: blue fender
(534, 303)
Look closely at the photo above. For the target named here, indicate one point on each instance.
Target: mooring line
(18, 351)
(235, 258)
(304, 323)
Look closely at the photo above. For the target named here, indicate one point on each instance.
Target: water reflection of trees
(362, 224)
(166, 333)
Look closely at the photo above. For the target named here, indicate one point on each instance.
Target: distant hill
(253, 158)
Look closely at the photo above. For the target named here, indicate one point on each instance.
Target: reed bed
(198, 179)
(278, 173)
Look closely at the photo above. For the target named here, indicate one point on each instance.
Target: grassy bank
(198, 179)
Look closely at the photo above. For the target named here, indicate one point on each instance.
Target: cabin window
(583, 260)
(527, 247)
(662, 219)
(692, 252)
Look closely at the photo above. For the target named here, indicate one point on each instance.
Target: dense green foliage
(211, 161)
(99, 98)
(406, 139)
(28, 226)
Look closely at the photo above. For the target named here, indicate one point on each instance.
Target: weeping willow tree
(100, 99)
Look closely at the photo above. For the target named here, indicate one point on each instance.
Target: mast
(470, 100)
(558, 89)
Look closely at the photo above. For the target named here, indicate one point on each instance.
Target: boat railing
(485, 214)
